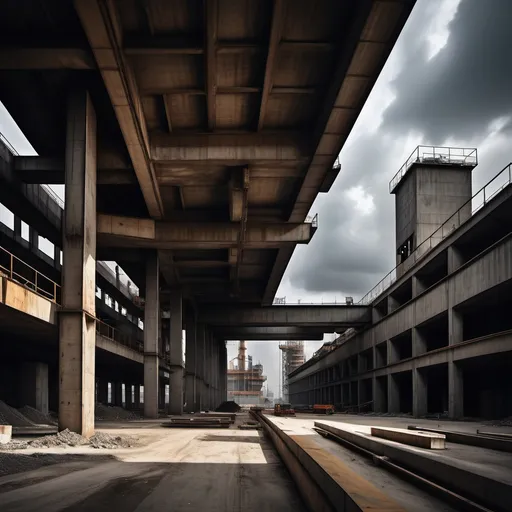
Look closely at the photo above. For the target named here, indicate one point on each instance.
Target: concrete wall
(405, 209)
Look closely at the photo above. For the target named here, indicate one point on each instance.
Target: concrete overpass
(193, 138)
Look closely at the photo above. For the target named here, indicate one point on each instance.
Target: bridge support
(151, 335)
(77, 338)
(176, 355)
(191, 380)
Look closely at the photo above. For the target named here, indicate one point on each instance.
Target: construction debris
(67, 438)
(228, 407)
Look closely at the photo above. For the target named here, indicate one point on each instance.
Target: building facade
(440, 340)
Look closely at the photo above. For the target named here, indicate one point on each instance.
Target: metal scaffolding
(292, 358)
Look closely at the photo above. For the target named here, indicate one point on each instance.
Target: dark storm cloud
(466, 85)
(453, 96)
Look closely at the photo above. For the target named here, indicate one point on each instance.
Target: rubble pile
(112, 413)
(36, 416)
(10, 416)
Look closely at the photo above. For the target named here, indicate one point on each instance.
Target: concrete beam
(45, 58)
(117, 231)
(232, 149)
(238, 183)
(101, 23)
(269, 333)
(328, 317)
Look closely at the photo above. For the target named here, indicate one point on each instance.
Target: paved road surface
(182, 470)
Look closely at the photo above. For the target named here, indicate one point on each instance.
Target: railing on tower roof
(436, 155)
(502, 180)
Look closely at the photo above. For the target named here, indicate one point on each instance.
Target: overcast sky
(448, 81)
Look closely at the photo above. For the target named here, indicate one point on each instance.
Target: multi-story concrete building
(440, 339)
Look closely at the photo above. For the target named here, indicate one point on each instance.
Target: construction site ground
(169, 469)
(492, 463)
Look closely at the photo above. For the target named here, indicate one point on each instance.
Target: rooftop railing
(20, 272)
(436, 155)
(502, 180)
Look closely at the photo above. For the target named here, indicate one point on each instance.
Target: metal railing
(502, 180)
(313, 220)
(436, 155)
(20, 272)
(123, 338)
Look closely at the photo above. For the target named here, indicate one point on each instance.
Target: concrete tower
(432, 188)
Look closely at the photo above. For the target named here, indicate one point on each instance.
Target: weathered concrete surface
(174, 470)
(23, 299)
(77, 335)
(426, 440)
(488, 486)
(297, 316)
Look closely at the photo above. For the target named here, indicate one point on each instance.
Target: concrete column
(392, 353)
(392, 304)
(379, 399)
(77, 333)
(136, 401)
(223, 372)
(33, 235)
(455, 391)
(102, 396)
(419, 343)
(117, 393)
(151, 335)
(417, 287)
(17, 229)
(176, 355)
(455, 259)
(208, 368)
(56, 256)
(419, 393)
(191, 380)
(393, 395)
(455, 326)
(34, 386)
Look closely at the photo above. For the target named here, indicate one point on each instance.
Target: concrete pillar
(392, 353)
(191, 380)
(455, 259)
(56, 256)
(117, 393)
(136, 401)
(223, 372)
(419, 343)
(34, 386)
(208, 368)
(379, 398)
(176, 355)
(455, 391)
(419, 393)
(77, 333)
(417, 287)
(161, 394)
(200, 386)
(392, 304)
(151, 335)
(393, 395)
(33, 235)
(455, 327)
(102, 396)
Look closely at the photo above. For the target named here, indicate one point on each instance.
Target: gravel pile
(36, 416)
(505, 422)
(67, 438)
(63, 438)
(112, 413)
(10, 416)
(108, 441)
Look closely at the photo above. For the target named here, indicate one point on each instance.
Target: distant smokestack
(242, 349)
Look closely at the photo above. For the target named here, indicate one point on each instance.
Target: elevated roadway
(192, 138)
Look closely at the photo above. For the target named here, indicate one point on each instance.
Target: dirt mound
(36, 416)
(112, 413)
(63, 438)
(228, 407)
(108, 441)
(10, 416)
(67, 438)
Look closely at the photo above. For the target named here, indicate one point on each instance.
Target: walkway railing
(17, 270)
(119, 336)
(436, 155)
(502, 180)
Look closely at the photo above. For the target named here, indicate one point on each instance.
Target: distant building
(245, 379)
